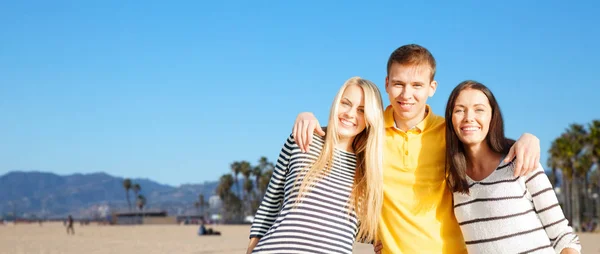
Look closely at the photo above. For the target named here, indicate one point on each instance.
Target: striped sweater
(507, 214)
(320, 223)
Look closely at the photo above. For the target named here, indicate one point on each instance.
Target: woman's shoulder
(316, 143)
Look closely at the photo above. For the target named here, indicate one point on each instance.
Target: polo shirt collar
(420, 127)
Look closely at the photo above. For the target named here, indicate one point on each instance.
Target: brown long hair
(456, 160)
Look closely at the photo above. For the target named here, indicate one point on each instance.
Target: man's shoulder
(437, 119)
(436, 123)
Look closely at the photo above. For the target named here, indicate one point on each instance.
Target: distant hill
(45, 194)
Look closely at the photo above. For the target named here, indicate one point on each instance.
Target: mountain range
(48, 195)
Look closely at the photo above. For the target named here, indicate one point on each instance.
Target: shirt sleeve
(271, 203)
(550, 213)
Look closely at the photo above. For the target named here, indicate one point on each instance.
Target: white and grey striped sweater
(507, 214)
(321, 222)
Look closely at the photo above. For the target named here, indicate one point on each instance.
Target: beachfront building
(146, 217)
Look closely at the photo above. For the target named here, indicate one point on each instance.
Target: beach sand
(147, 239)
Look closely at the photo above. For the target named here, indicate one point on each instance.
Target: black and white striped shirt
(507, 214)
(321, 222)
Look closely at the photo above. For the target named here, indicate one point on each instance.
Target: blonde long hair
(366, 197)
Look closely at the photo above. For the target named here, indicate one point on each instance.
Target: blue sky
(175, 92)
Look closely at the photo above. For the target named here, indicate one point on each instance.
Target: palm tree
(231, 203)
(263, 165)
(136, 188)
(141, 202)
(583, 166)
(257, 195)
(224, 188)
(554, 161)
(595, 182)
(202, 202)
(572, 144)
(246, 171)
(576, 153)
(264, 180)
(127, 186)
(560, 152)
(235, 169)
(249, 188)
(594, 142)
(257, 173)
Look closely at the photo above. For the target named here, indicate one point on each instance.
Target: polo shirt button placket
(406, 144)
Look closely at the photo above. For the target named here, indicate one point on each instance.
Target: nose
(406, 93)
(350, 113)
(469, 115)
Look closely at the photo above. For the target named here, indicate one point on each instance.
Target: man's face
(408, 88)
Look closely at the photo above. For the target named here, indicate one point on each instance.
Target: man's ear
(432, 87)
(387, 83)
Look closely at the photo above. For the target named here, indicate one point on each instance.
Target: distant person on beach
(70, 228)
(417, 214)
(202, 230)
(498, 212)
(324, 200)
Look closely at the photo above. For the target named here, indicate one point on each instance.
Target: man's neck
(406, 125)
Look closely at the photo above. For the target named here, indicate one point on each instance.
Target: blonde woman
(323, 200)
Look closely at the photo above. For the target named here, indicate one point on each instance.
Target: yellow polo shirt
(417, 215)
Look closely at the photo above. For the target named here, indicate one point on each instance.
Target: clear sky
(176, 91)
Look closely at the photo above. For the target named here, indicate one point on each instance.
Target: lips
(405, 105)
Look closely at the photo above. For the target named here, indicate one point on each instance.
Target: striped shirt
(321, 222)
(507, 214)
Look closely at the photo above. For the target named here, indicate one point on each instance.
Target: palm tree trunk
(128, 201)
(587, 199)
(566, 200)
(576, 211)
(597, 202)
(237, 186)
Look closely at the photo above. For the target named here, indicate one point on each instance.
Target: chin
(472, 142)
(407, 115)
(346, 134)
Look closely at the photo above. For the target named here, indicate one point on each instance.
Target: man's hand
(527, 151)
(304, 127)
(377, 247)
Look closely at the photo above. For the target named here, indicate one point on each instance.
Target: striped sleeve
(271, 203)
(550, 213)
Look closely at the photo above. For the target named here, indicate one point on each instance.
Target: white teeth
(470, 129)
(345, 122)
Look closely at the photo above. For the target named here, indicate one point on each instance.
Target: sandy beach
(52, 238)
